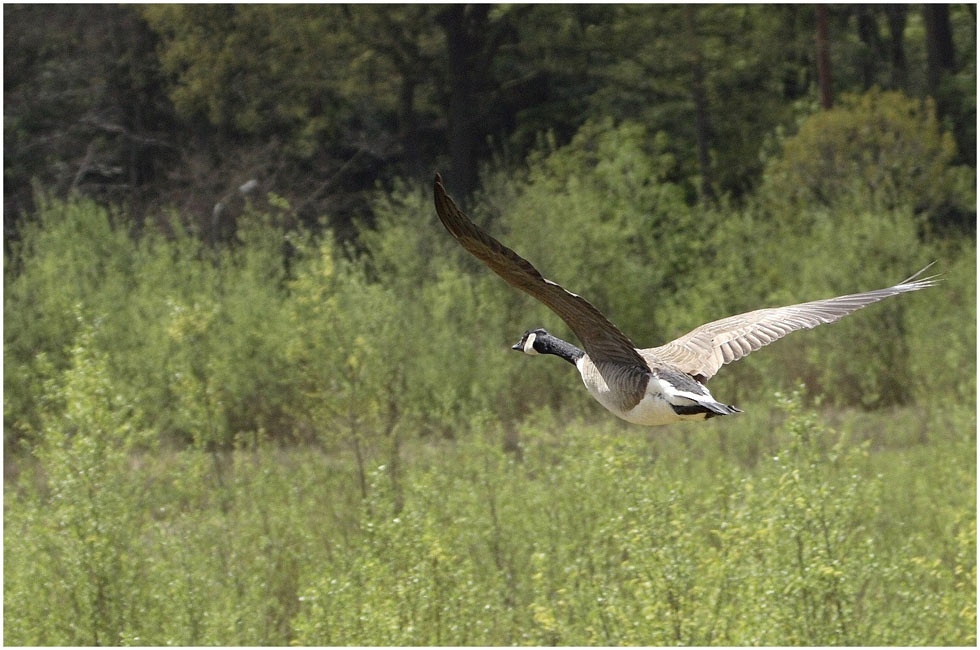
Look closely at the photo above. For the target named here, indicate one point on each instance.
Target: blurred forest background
(155, 106)
(255, 394)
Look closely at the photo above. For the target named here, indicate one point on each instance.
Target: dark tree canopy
(180, 105)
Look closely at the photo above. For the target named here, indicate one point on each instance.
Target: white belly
(653, 410)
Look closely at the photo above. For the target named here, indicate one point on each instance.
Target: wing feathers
(601, 339)
(700, 352)
(705, 349)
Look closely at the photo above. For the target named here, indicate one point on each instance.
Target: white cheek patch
(529, 344)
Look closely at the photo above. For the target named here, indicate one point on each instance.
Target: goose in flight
(652, 386)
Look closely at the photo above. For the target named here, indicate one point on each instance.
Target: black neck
(548, 344)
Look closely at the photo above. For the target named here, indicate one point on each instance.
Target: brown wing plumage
(704, 350)
(601, 339)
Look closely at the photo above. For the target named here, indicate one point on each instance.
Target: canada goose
(657, 385)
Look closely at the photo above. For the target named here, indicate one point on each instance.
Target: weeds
(595, 536)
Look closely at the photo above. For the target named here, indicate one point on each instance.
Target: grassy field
(781, 526)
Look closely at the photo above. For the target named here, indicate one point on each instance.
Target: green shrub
(873, 358)
(284, 441)
(599, 538)
(659, 268)
(72, 252)
(291, 335)
(70, 536)
(599, 217)
(878, 151)
(189, 334)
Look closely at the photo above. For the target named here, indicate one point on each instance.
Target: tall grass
(775, 530)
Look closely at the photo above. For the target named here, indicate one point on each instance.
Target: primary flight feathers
(600, 337)
(705, 349)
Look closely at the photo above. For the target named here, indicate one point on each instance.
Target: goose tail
(709, 408)
(717, 408)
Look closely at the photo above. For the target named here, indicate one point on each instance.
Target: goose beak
(517, 346)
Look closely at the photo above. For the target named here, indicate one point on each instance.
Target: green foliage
(599, 216)
(84, 108)
(296, 336)
(879, 150)
(843, 527)
(871, 358)
(777, 531)
(225, 372)
(280, 439)
(748, 56)
(306, 74)
(253, 70)
(65, 255)
(155, 105)
(658, 268)
(184, 331)
(79, 594)
(155, 386)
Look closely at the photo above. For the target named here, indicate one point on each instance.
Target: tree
(474, 35)
(897, 17)
(940, 56)
(183, 104)
(724, 93)
(85, 109)
(823, 58)
(868, 34)
(405, 40)
(289, 96)
(880, 149)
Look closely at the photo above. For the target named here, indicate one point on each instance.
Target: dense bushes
(294, 336)
(879, 150)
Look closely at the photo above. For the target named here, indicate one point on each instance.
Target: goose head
(531, 342)
(540, 342)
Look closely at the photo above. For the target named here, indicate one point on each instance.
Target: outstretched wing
(704, 350)
(601, 339)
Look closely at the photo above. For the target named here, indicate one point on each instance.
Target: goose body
(652, 386)
(652, 396)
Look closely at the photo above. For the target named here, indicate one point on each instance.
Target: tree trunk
(940, 56)
(409, 129)
(868, 35)
(361, 469)
(823, 59)
(465, 27)
(896, 31)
